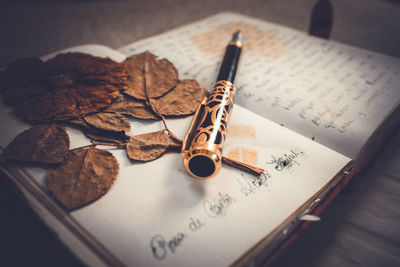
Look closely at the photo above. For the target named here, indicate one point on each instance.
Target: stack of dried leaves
(97, 95)
(68, 86)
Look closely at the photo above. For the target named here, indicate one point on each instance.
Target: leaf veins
(108, 121)
(148, 77)
(84, 176)
(41, 144)
(182, 100)
(132, 107)
(147, 147)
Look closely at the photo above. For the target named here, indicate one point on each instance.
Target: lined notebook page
(157, 215)
(335, 94)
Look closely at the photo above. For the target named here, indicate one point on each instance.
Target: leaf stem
(91, 145)
(243, 166)
(107, 144)
(174, 138)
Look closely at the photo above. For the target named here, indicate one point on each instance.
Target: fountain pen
(203, 143)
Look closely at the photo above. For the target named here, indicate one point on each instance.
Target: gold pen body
(202, 147)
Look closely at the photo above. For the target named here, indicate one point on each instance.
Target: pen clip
(193, 126)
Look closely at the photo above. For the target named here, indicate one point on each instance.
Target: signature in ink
(159, 246)
(249, 184)
(220, 207)
(285, 161)
(304, 110)
(340, 129)
(345, 125)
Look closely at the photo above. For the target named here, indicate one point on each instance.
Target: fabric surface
(359, 228)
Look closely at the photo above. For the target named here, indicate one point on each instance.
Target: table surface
(359, 228)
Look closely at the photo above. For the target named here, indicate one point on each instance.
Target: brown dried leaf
(68, 86)
(160, 76)
(105, 136)
(148, 77)
(43, 144)
(131, 107)
(147, 147)
(84, 176)
(101, 136)
(79, 122)
(134, 67)
(106, 121)
(182, 100)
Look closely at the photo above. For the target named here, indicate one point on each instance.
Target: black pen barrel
(229, 63)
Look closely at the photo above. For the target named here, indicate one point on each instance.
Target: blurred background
(37, 27)
(359, 228)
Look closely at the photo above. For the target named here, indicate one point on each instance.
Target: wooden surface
(360, 228)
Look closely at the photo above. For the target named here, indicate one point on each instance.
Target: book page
(155, 214)
(334, 94)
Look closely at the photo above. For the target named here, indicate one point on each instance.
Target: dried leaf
(134, 67)
(102, 136)
(147, 147)
(42, 144)
(105, 136)
(160, 76)
(68, 86)
(148, 77)
(108, 122)
(182, 100)
(84, 176)
(79, 122)
(131, 107)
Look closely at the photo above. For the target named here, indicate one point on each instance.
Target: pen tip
(237, 37)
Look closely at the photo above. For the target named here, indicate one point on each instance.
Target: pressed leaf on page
(46, 143)
(84, 176)
(149, 77)
(108, 121)
(147, 147)
(180, 101)
(68, 86)
(131, 107)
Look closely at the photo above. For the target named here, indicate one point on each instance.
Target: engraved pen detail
(213, 123)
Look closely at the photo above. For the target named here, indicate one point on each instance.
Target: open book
(308, 111)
